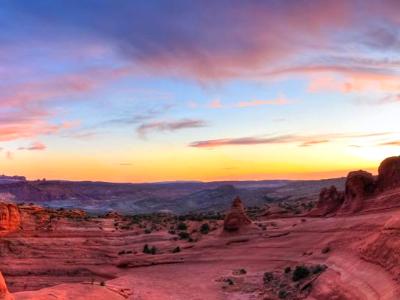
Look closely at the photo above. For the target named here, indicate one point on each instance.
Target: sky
(138, 91)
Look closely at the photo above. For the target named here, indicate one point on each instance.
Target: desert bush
(282, 294)
(318, 269)
(149, 250)
(288, 270)
(268, 276)
(181, 226)
(300, 272)
(205, 228)
(183, 235)
(177, 249)
(325, 250)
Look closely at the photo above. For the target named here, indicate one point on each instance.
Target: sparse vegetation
(181, 226)
(268, 276)
(205, 228)
(325, 250)
(282, 294)
(183, 235)
(300, 273)
(149, 250)
(177, 249)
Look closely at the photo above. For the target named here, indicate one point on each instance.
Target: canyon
(344, 247)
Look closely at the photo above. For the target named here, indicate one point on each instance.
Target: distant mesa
(11, 179)
(236, 218)
(360, 186)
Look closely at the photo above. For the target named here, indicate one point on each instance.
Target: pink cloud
(277, 101)
(35, 146)
(215, 104)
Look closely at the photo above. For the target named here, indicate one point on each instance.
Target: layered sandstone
(10, 218)
(330, 200)
(389, 174)
(382, 248)
(4, 293)
(236, 218)
(359, 186)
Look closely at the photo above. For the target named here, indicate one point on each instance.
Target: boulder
(359, 186)
(330, 200)
(389, 174)
(4, 293)
(10, 218)
(236, 218)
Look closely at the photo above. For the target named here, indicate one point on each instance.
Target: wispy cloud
(35, 146)
(390, 143)
(161, 126)
(302, 141)
(277, 101)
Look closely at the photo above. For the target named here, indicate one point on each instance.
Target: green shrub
(205, 228)
(177, 249)
(318, 269)
(184, 235)
(148, 250)
(300, 272)
(325, 250)
(268, 276)
(181, 226)
(282, 294)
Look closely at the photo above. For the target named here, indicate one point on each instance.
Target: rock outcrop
(236, 218)
(382, 248)
(330, 200)
(4, 293)
(359, 186)
(10, 218)
(389, 174)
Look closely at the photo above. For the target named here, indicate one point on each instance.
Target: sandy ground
(66, 260)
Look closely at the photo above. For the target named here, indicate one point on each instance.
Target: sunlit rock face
(359, 186)
(329, 201)
(389, 174)
(10, 218)
(236, 218)
(4, 293)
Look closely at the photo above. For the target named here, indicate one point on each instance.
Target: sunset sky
(198, 90)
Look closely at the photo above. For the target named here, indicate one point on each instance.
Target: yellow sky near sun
(185, 163)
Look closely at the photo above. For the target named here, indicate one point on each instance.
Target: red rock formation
(10, 218)
(359, 186)
(236, 218)
(389, 174)
(382, 248)
(4, 294)
(330, 200)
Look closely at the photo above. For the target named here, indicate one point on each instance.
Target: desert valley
(342, 246)
(199, 150)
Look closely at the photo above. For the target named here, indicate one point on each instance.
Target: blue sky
(207, 90)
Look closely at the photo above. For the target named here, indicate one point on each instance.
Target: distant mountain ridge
(177, 197)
